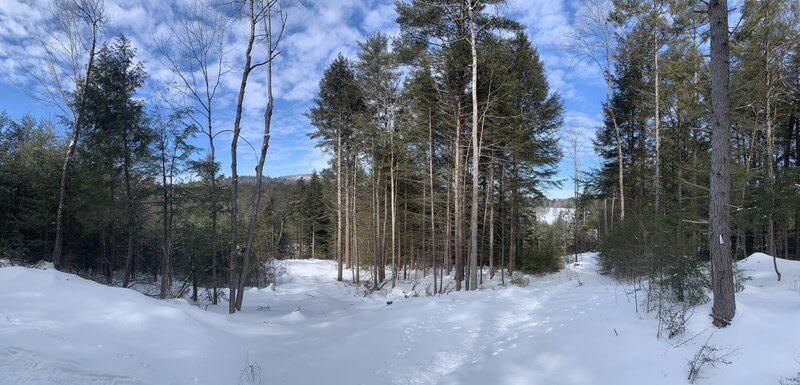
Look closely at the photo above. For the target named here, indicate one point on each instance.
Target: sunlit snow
(572, 327)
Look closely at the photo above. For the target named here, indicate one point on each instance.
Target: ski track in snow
(501, 334)
(20, 366)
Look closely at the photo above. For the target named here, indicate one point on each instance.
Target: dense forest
(444, 139)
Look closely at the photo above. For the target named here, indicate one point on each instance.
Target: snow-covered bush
(519, 279)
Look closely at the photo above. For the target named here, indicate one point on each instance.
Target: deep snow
(572, 327)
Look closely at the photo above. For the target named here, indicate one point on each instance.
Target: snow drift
(572, 327)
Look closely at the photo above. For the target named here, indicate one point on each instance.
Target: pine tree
(117, 128)
(335, 112)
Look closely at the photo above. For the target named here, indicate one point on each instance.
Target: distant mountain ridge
(251, 179)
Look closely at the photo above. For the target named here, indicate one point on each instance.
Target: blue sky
(317, 31)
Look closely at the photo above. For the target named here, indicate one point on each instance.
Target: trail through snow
(574, 327)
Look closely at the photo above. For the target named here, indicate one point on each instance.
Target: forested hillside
(443, 135)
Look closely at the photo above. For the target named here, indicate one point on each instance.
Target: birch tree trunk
(458, 220)
(657, 125)
(476, 155)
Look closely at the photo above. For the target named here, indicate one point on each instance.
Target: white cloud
(316, 32)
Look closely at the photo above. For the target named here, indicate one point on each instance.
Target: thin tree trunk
(433, 205)
(476, 155)
(394, 213)
(166, 244)
(458, 204)
(357, 278)
(448, 234)
(503, 215)
(313, 240)
(383, 231)
(613, 203)
(620, 164)
(73, 144)
(797, 234)
(339, 205)
(769, 159)
(130, 214)
(214, 210)
(490, 200)
(256, 204)
(376, 224)
(348, 263)
(233, 282)
(512, 236)
(657, 124)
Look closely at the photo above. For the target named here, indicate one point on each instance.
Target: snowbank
(572, 327)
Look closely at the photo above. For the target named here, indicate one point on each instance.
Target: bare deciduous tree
(575, 142)
(78, 24)
(260, 13)
(195, 54)
(594, 38)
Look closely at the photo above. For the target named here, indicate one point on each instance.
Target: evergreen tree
(335, 113)
(119, 137)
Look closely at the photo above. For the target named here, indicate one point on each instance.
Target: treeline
(294, 220)
(443, 141)
(134, 195)
(656, 139)
(439, 169)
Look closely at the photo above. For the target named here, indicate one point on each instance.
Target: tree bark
(458, 220)
(433, 202)
(339, 205)
(357, 277)
(129, 212)
(797, 234)
(272, 45)
(490, 199)
(166, 244)
(234, 272)
(657, 124)
(769, 159)
(348, 263)
(476, 155)
(724, 304)
(394, 212)
(512, 235)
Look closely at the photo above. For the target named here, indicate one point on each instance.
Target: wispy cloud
(316, 31)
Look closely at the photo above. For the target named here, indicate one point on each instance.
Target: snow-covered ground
(550, 215)
(572, 327)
